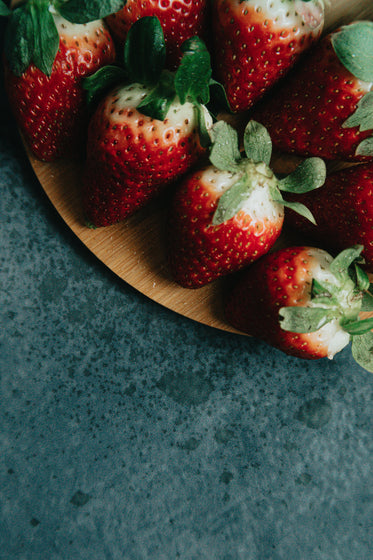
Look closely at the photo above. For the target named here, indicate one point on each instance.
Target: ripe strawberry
(145, 135)
(256, 43)
(180, 20)
(326, 107)
(228, 214)
(305, 303)
(343, 210)
(47, 55)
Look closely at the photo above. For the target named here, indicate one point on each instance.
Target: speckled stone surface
(131, 433)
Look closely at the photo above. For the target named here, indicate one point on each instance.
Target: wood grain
(134, 249)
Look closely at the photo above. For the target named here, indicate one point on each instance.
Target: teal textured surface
(131, 433)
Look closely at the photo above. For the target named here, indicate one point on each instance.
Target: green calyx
(341, 296)
(144, 61)
(190, 83)
(31, 35)
(253, 169)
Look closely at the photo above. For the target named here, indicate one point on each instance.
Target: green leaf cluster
(190, 83)
(226, 156)
(31, 35)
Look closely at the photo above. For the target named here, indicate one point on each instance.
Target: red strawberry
(180, 20)
(343, 210)
(131, 156)
(44, 78)
(305, 303)
(326, 107)
(145, 135)
(256, 43)
(230, 213)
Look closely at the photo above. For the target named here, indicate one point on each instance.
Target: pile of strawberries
(137, 89)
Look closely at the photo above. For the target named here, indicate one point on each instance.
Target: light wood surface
(134, 249)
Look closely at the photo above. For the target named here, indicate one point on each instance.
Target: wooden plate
(134, 249)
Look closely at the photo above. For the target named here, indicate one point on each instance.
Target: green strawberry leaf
(304, 319)
(224, 153)
(4, 10)
(326, 292)
(363, 116)
(297, 207)
(340, 265)
(231, 202)
(320, 289)
(257, 143)
(362, 278)
(99, 83)
(362, 350)
(145, 51)
(367, 302)
(192, 78)
(19, 40)
(204, 133)
(157, 103)
(46, 38)
(361, 326)
(309, 175)
(353, 45)
(365, 148)
(31, 36)
(84, 11)
(218, 98)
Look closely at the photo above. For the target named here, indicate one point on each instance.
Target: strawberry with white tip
(256, 42)
(146, 134)
(49, 48)
(229, 213)
(306, 303)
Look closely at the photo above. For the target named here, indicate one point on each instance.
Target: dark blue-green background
(131, 433)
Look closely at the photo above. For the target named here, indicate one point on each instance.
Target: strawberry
(147, 133)
(229, 213)
(305, 303)
(343, 210)
(47, 55)
(326, 107)
(180, 20)
(257, 42)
